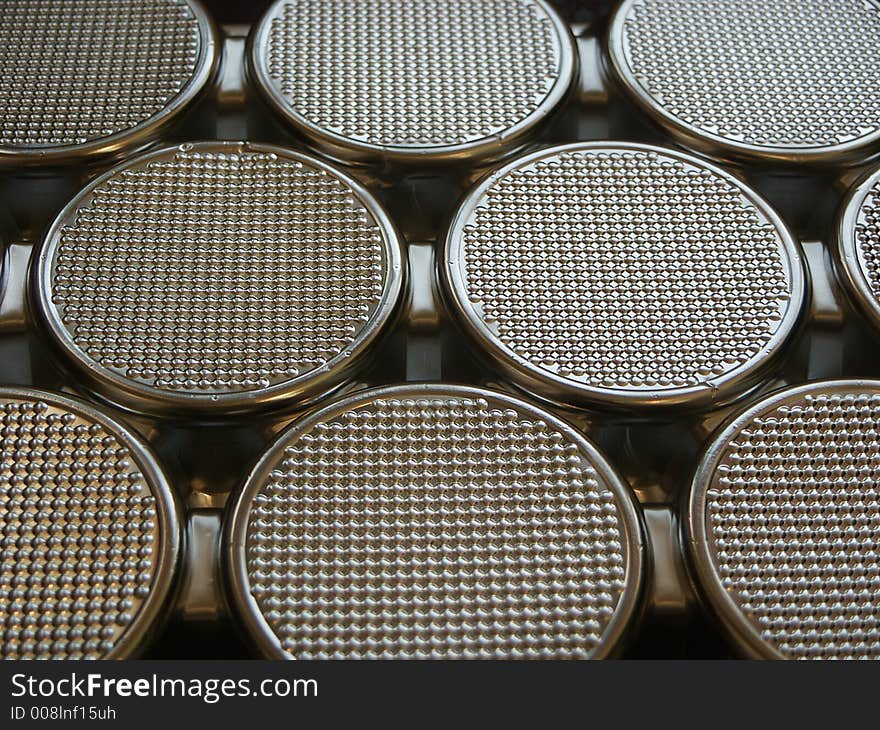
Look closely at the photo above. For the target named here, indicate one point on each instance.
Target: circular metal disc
(434, 521)
(621, 275)
(84, 78)
(858, 239)
(219, 277)
(790, 80)
(784, 523)
(89, 532)
(370, 80)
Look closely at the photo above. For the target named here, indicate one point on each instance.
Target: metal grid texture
(763, 77)
(622, 272)
(436, 522)
(77, 71)
(83, 532)
(209, 455)
(787, 522)
(216, 270)
(419, 77)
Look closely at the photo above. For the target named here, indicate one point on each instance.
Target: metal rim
(709, 142)
(237, 515)
(848, 256)
(341, 147)
(171, 537)
(142, 135)
(303, 388)
(546, 384)
(697, 543)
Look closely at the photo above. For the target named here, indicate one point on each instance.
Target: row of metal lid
(440, 520)
(378, 81)
(443, 521)
(428, 520)
(218, 278)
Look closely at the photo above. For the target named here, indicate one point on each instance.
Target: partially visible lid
(378, 80)
(434, 521)
(780, 80)
(783, 528)
(624, 276)
(858, 246)
(94, 78)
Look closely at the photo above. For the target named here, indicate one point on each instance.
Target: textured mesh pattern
(868, 238)
(783, 73)
(436, 526)
(415, 73)
(625, 269)
(218, 272)
(78, 534)
(793, 514)
(79, 70)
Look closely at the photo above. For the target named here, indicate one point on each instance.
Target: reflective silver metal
(772, 80)
(422, 80)
(783, 528)
(96, 78)
(858, 246)
(89, 532)
(625, 276)
(219, 277)
(434, 521)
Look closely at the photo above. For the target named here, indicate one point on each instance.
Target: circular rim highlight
(342, 148)
(696, 545)
(142, 135)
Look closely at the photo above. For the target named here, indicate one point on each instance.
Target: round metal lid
(621, 275)
(85, 78)
(791, 80)
(369, 80)
(89, 533)
(784, 523)
(434, 521)
(858, 241)
(219, 277)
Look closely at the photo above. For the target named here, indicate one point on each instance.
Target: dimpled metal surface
(792, 514)
(78, 533)
(79, 70)
(435, 524)
(620, 268)
(867, 238)
(420, 74)
(218, 269)
(783, 74)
